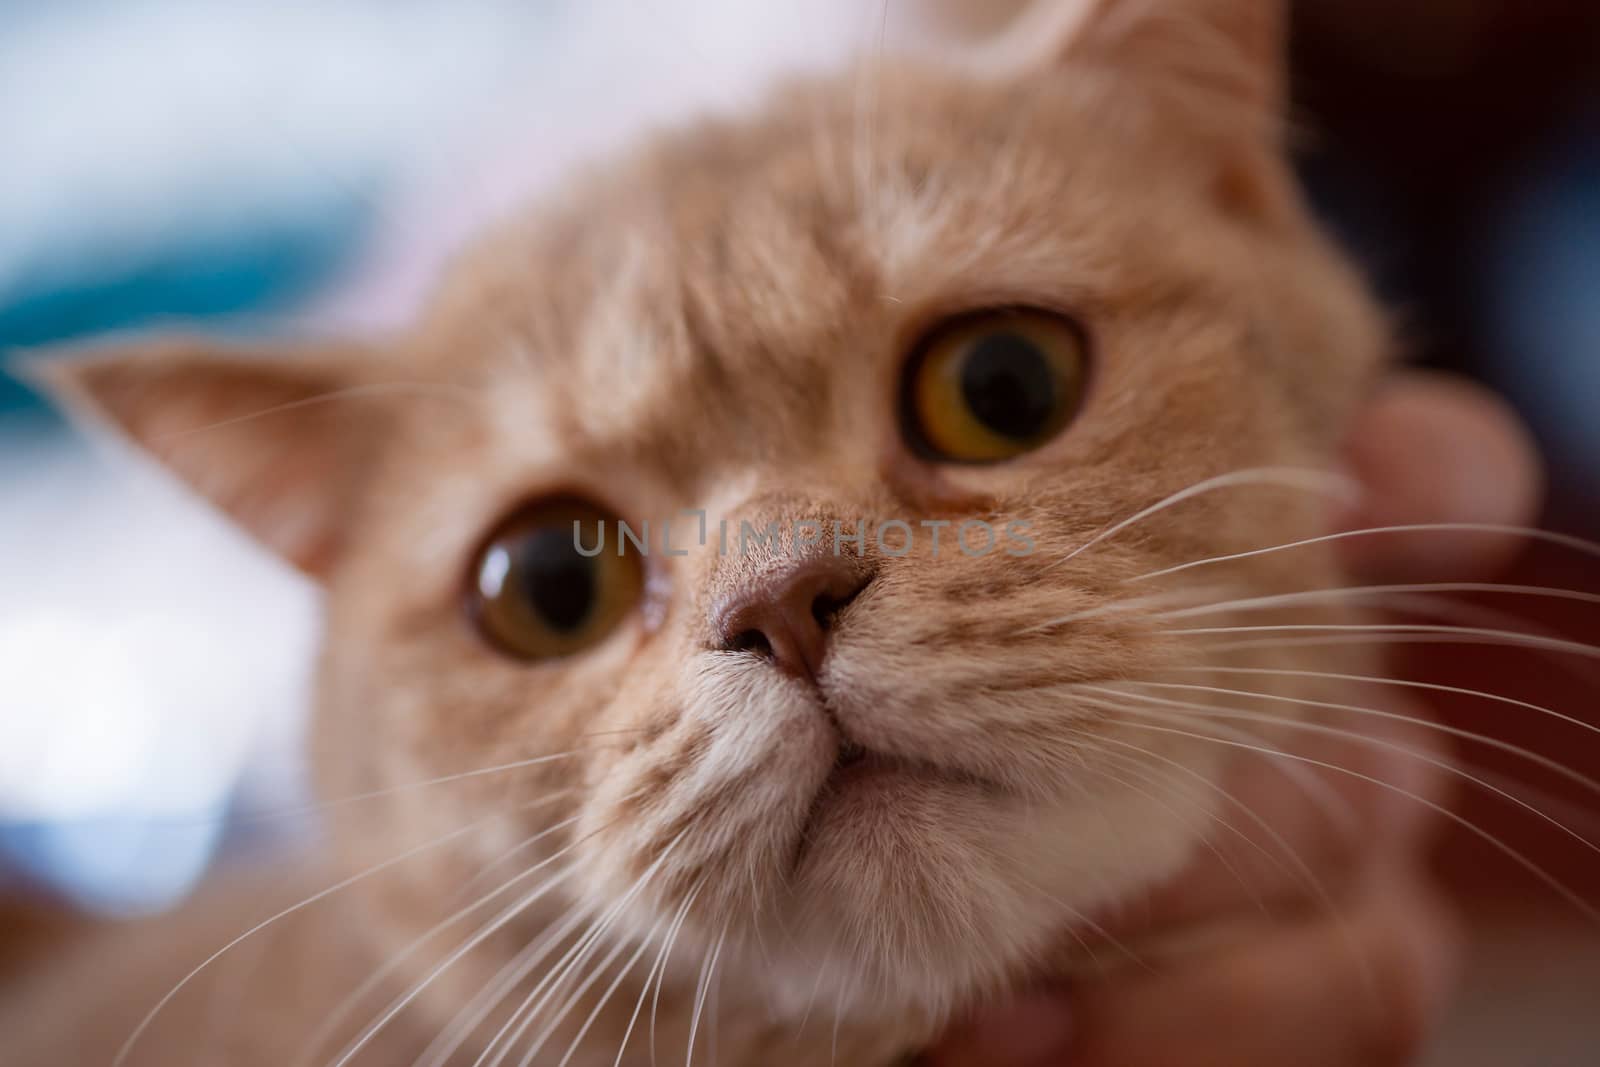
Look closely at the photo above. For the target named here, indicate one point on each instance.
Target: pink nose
(786, 615)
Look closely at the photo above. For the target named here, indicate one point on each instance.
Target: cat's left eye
(536, 596)
(993, 385)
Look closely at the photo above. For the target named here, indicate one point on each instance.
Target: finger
(1430, 448)
(1036, 1029)
(1364, 990)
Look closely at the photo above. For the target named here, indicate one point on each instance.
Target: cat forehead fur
(744, 293)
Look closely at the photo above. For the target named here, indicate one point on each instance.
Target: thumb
(1033, 1031)
(1429, 448)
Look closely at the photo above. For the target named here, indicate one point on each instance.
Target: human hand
(1356, 976)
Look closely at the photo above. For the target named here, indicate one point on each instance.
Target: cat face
(889, 305)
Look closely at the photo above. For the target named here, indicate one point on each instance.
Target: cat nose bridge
(786, 611)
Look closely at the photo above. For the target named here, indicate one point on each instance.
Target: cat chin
(926, 896)
(919, 887)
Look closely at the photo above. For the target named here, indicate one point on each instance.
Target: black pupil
(1009, 385)
(558, 583)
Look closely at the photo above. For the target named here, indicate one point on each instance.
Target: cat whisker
(321, 1035)
(1381, 631)
(583, 988)
(375, 390)
(511, 1031)
(1340, 640)
(1290, 863)
(127, 1047)
(1575, 544)
(401, 1002)
(1429, 600)
(577, 955)
(321, 807)
(756, 923)
(707, 969)
(1568, 810)
(1403, 683)
(655, 1001)
(605, 998)
(863, 162)
(506, 915)
(628, 968)
(508, 977)
(1308, 479)
(470, 887)
(1313, 596)
(1554, 884)
(1448, 766)
(513, 974)
(657, 967)
(1546, 762)
(715, 1017)
(1130, 605)
(576, 995)
(811, 1001)
(523, 1017)
(324, 807)
(1460, 613)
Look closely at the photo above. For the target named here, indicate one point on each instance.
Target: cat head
(873, 377)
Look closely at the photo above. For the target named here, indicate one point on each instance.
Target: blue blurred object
(183, 159)
(129, 863)
(253, 269)
(1539, 279)
(113, 866)
(187, 226)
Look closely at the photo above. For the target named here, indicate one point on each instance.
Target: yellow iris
(993, 385)
(536, 596)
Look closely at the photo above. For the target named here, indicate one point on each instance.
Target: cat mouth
(857, 767)
(871, 781)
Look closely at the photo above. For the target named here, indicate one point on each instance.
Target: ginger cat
(798, 797)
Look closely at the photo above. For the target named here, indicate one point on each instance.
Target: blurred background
(269, 166)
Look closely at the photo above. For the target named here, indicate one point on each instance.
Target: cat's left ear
(1221, 57)
(261, 433)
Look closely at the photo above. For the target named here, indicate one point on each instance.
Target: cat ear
(260, 434)
(1210, 52)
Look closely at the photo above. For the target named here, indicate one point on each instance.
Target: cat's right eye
(535, 596)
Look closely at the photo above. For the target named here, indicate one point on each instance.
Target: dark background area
(1426, 126)
(1432, 132)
